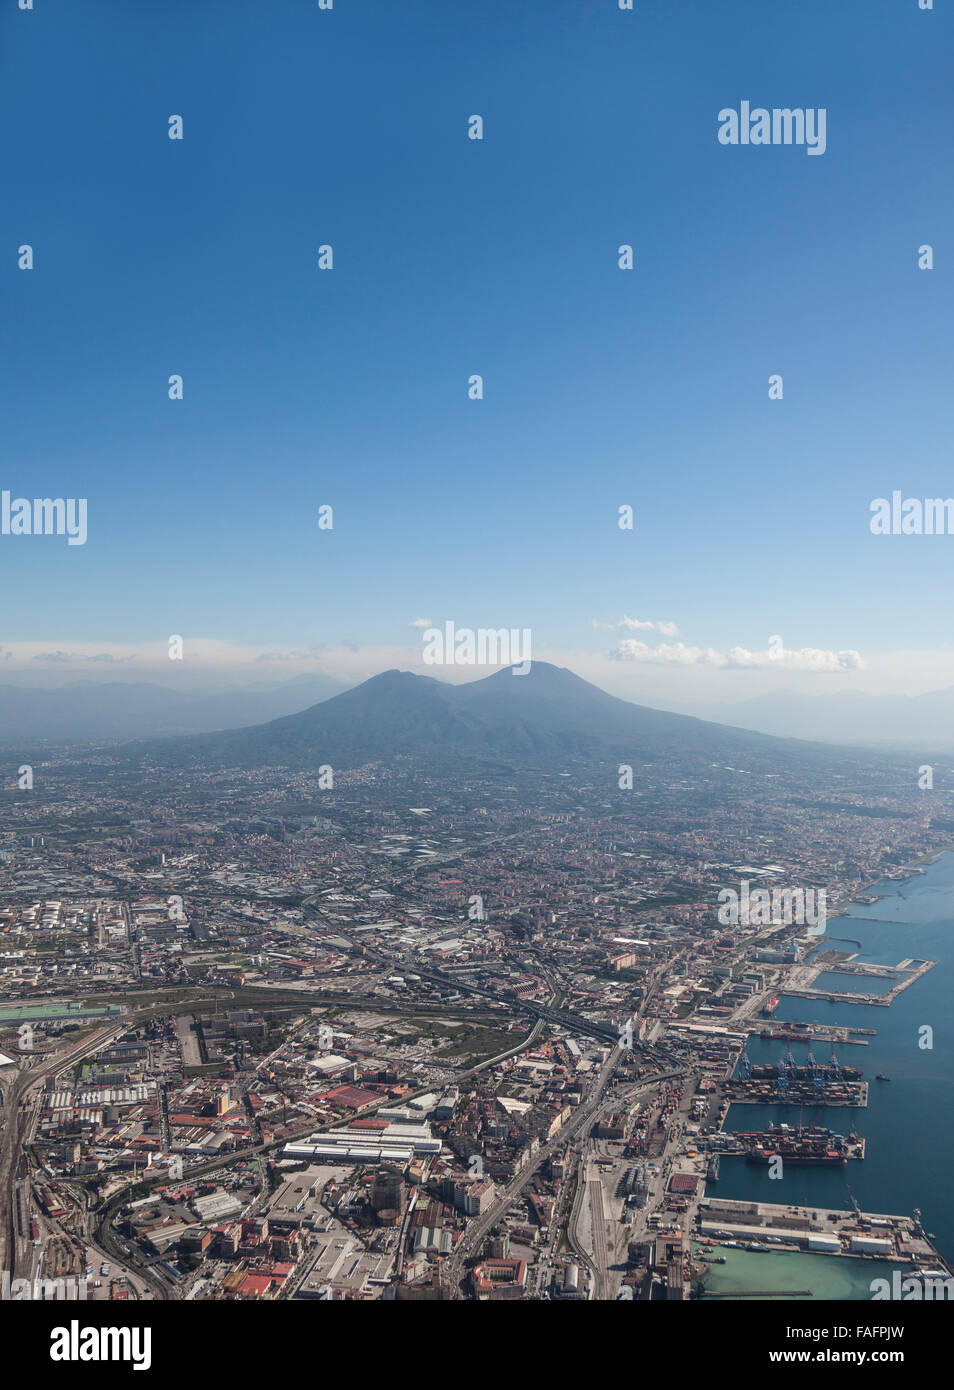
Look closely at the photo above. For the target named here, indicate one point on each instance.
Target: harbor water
(909, 1120)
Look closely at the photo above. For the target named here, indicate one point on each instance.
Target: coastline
(903, 874)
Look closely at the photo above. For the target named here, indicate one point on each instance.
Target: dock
(820, 1230)
(740, 1092)
(787, 1032)
(906, 972)
(764, 1293)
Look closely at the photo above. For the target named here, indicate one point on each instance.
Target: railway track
(19, 1115)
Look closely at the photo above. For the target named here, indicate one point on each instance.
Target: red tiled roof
(352, 1096)
(256, 1284)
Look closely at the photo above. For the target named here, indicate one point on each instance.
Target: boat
(828, 1158)
(806, 1144)
(769, 1071)
(881, 1077)
(793, 1132)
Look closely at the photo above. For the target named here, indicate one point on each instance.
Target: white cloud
(737, 658)
(626, 624)
(636, 624)
(798, 659)
(666, 654)
(85, 657)
(420, 622)
(634, 669)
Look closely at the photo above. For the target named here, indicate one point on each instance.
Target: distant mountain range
(890, 721)
(539, 719)
(88, 711)
(505, 718)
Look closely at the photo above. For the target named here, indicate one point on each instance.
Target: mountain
(90, 711)
(539, 719)
(845, 717)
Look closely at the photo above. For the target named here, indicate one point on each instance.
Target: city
(264, 1040)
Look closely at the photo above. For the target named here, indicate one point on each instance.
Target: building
(499, 1279)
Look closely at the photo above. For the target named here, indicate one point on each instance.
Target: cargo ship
(784, 1131)
(768, 1071)
(797, 1154)
(768, 1009)
(801, 1144)
(742, 1092)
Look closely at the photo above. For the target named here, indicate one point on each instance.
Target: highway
(573, 1023)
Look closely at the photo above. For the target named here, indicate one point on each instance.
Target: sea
(909, 1120)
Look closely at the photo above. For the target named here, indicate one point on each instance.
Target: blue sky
(454, 257)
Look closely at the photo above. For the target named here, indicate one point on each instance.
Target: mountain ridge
(541, 718)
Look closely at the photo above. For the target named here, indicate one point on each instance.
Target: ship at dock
(832, 1158)
(801, 1081)
(769, 1072)
(784, 1092)
(801, 1144)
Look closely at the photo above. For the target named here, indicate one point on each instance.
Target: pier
(743, 1092)
(820, 1230)
(907, 971)
(814, 1032)
(764, 1293)
(798, 1144)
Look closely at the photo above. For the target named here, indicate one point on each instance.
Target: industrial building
(393, 1143)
